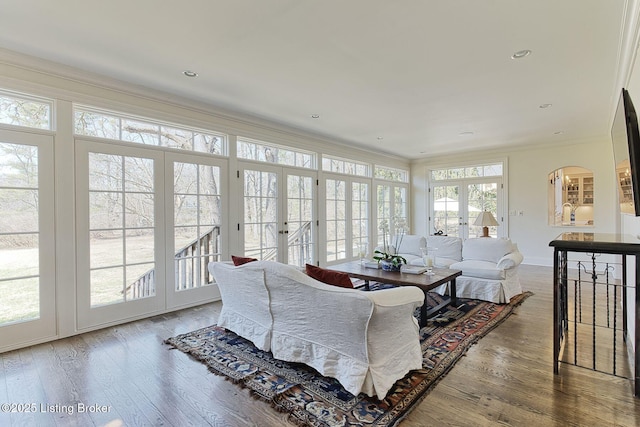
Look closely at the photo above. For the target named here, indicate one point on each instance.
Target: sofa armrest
(393, 338)
(398, 296)
(510, 260)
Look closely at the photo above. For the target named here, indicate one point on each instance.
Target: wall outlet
(520, 213)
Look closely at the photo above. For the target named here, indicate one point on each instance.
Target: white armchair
(489, 270)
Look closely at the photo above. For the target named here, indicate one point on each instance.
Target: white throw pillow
(411, 244)
(447, 247)
(486, 249)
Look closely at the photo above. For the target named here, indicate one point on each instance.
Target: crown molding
(232, 121)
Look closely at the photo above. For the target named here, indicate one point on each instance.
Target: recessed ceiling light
(190, 73)
(315, 116)
(558, 133)
(521, 54)
(380, 138)
(545, 105)
(466, 133)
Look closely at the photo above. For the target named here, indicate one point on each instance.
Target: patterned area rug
(314, 400)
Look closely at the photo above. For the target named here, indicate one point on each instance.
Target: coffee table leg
(452, 289)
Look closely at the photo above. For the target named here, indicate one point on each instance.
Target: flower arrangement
(388, 256)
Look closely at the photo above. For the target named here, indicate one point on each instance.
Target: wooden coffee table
(422, 281)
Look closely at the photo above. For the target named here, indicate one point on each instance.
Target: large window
(494, 169)
(197, 222)
(346, 166)
(121, 228)
(27, 111)
(97, 123)
(250, 149)
(153, 217)
(154, 201)
(336, 219)
(360, 216)
(459, 194)
(27, 245)
(19, 232)
(391, 174)
(392, 210)
(347, 218)
(27, 271)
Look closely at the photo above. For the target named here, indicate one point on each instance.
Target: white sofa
(366, 340)
(489, 266)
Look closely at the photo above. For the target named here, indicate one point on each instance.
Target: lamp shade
(485, 219)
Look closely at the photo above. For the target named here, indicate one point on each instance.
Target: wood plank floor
(125, 376)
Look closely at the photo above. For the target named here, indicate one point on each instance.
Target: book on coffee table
(412, 269)
(372, 264)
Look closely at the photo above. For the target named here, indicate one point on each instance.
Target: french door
(120, 232)
(279, 213)
(148, 224)
(27, 247)
(456, 205)
(195, 226)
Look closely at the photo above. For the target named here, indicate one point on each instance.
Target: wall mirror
(570, 197)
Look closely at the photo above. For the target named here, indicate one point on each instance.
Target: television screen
(626, 152)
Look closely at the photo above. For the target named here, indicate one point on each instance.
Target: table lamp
(484, 220)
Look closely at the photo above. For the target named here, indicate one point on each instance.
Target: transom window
(271, 153)
(346, 166)
(467, 172)
(24, 110)
(112, 125)
(391, 174)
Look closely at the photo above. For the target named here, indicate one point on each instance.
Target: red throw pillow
(329, 277)
(239, 260)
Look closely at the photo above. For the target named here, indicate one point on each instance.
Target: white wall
(527, 191)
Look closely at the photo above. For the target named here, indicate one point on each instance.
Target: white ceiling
(420, 74)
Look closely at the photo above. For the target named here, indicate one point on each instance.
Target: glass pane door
(279, 214)
(27, 270)
(447, 214)
(456, 207)
(195, 216)
(300, 224)
(120, 220)
(482, 197)
(262, 226)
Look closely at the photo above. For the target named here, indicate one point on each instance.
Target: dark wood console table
(593, 243)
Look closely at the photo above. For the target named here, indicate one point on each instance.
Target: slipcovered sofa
(489, 266)
(366, 340)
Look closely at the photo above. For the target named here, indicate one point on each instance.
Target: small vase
(389, 266)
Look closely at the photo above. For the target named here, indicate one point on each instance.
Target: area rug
(314, 400)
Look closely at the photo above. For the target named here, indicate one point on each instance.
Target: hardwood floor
(124, 375)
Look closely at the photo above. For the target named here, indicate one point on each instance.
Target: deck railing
(191, 263)
(299, 243)
(192, 260)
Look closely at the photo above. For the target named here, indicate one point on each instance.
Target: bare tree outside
(122, 207)
(19, 211)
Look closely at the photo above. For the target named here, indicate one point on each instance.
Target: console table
(593, 243)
